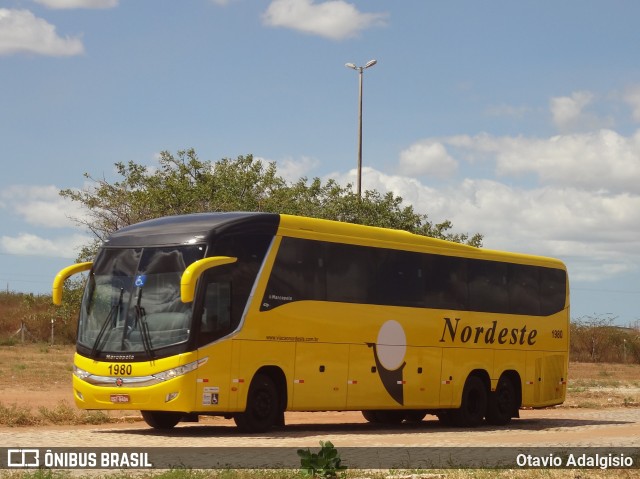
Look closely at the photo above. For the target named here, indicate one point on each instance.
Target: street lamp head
(370, 63)
(350, 65)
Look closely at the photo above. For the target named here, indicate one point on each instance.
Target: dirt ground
(40, 376)
(602, 408)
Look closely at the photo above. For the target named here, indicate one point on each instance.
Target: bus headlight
(80, 373)
(179, 371)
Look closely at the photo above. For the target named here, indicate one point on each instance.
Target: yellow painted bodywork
(89, 396)
(58, 281)
(324, 349)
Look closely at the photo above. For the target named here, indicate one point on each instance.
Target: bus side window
(350, 273)
(446, 282)
(553, 290)
(216, 320)
(488, 290)
(524, 289)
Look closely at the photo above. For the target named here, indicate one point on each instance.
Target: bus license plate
(119, 398)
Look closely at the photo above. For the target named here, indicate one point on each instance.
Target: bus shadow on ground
(426, 426)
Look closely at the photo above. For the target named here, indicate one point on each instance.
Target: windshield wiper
(141, 319)
(107, 320)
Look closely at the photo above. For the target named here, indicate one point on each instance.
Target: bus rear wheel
(445, 416)
(414, 416)
(502, 403)
(474, 403)
(161, 419)
(263, 406)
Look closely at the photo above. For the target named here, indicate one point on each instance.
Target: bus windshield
(132, 301)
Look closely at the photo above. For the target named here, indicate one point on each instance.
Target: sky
(517, 120)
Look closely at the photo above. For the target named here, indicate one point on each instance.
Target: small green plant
(325, 463)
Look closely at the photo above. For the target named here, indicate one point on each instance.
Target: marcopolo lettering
(491, 335)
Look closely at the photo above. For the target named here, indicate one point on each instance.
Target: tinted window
(488, 289)
(250, 251)
(446, 286)
(553, 286)
(350, 273)
(399, 279)
(322, 271)
(524, 289)
(298, 273)
(216, 319)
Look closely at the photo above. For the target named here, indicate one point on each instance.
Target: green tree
(185, 184)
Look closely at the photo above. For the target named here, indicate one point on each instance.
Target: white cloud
(334, 19)
(428, 157)
(68, 4)
(22, 32)
(27, 244)
(40, 206)
(292, 170)
(571, 114)
(603, 159)
(567, 110)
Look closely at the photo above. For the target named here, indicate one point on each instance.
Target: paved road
(536, 428)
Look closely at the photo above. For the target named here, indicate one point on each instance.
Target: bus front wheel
(161, 419)
(474, 403)
(388, 417)
(263, 407)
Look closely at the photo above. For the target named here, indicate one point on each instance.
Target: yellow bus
(249, 315)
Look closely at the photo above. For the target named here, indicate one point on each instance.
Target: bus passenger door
(320, 377)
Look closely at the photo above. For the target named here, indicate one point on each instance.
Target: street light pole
(370, 63)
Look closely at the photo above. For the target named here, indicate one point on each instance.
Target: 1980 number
(556, 334)
(120, 369)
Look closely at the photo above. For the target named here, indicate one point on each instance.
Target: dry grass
(36, 367)
(602, 385)
(45, 372)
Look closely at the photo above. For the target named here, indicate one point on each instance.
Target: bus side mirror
(194, 271)
(58, 281)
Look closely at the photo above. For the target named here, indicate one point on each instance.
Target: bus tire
(161, 419)
(370, 416)
(415, 416)
(388, 417)
(473, 407)
(263, 406)
(445, 417)
(502, 403)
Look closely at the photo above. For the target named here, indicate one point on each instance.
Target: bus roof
(192, 228)
(202, 227)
